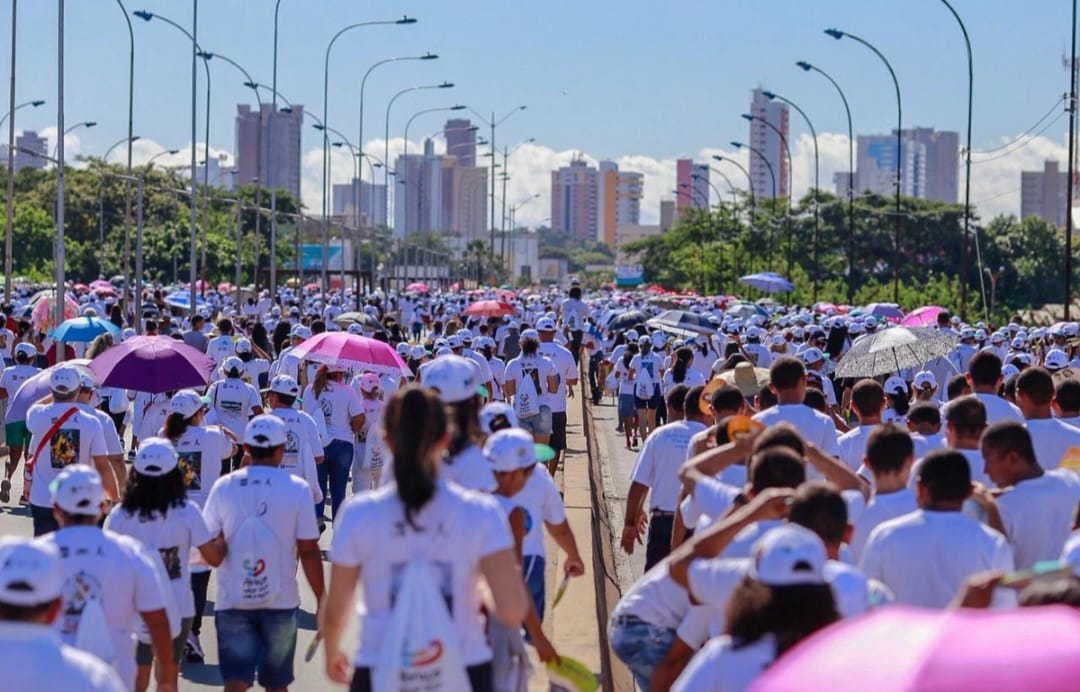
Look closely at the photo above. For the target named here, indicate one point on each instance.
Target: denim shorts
(538, 424)
(532, 567)
(262, 641)
(640, 645)
(626, 406)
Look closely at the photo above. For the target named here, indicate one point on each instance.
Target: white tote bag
(420, 652)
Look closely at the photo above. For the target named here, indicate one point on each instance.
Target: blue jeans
(533, 568)
(640, 645)
(334, 471)
(262, 641)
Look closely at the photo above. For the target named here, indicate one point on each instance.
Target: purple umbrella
(152, 364)
(33, 389)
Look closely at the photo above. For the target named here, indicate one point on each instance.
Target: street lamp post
(405, 155)
(790, 192)
(837, 34)
(58, 253)
(10, 117)
(505, 179)
(817, 182)
(806, 67)
(493, 123)
(720, 206)
(130, 142)
(994, 277)
(772, 202)
(57, 149)
(101, 206)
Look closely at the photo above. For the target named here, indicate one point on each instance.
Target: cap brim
(544, 453)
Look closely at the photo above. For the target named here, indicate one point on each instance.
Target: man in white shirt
(984, 377)
(1053, 438)
(1036, 507)
(256, 614)
(1067, 402)
(529, 378)
(656, 473)
(62, 435)
(31, 653)
(573, 313)
(303, 449)
(566, 368)
(787, 379)
(924, 557)
(110, 582)
(221, 347)
(889, 456)
(867, 401)
(965, 421)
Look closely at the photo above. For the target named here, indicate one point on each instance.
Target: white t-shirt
(881, 508)
(815, 426)
(924, 557)
(537, 368)
(232, 401)
(711, 499)
(650, 363)
(691, 379)
(565, 368)
(622, 375)
(116, 571)
(723, 666)
(574, 313)
(301, 447)
(1070, 553)
(852, 446)
(462, 528)
(34, 658)
(201, 451)
(172, 537)
(284, 503)
(220, 348)
(1038, 515)
(149, 412)
(542, 504)
(924, 444)
(113, 445)
(997, 409)
(975, 464)
(744, 540)
(337, 404)
(658, 463)
(469, 469)
(656, 599)
(78, 441)
(1052, 438)
(14, 376)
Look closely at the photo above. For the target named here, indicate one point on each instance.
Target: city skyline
(568, 116)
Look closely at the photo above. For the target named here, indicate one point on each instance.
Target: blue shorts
(640, 645)
(538, 424)
(533, 568)
(262, 641)
(626, 406)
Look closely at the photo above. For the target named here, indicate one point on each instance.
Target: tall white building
(1045, 193)
(575, 199)
(372, 203)
(268, 146)
(765, 139)
(418, 193)
(29, 141)
(929, 162)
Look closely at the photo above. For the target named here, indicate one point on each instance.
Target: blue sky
(631, 80)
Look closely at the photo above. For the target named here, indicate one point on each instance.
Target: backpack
(252, 559)
(527, 394)
(643, 383)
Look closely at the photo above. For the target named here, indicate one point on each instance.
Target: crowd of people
(772, 497)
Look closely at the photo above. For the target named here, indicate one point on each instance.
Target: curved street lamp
(169, 152)
(86, 123)
(772, 202)
(105, 158)
(790, 192)
(405, 155)
(9, 230)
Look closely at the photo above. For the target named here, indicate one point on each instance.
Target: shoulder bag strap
(51, 432)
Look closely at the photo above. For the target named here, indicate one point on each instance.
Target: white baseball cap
(232, 363)
(369, 382)
(789, 555)
(1056, 359)
(454, 341)
(895, 385)
(925, 379)
(631, 335)
(187, 403)
(812, 355)
(300, 332)
(531, 334)
(242, 346)
(29, 572)
(545, 324)
(284, 384)
(64, 379)
(453, 377)
(265, 431)
(417, 352)
(156, 457)
(513, 449)
(78, 490)
(492, 411)
(402, 349)
(659, 339)
(354, 328)
(25, 349)
(1009, 370)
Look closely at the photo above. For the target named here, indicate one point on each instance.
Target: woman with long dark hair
(155, 511)
(338, 404)
(458, 534)
(682, 370)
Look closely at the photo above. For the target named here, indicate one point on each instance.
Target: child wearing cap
(155, 511)
(368, 452)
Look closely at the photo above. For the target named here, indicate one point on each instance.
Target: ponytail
(683, 356)
(175, 426)
(319, 385)
(415, 423)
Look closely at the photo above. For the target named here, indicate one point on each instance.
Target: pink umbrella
(925, 316)
(352, 350)
(900, 649)
(100, 283)
(417, 287)
(225, 287)
(41, 317)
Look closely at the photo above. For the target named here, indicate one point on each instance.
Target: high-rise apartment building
(216, 173)
(372, 203)
(575, 199)
(465, 197)
(692, 185)
(30, 141)
(418, 192)
(667, 214)
(619, 202)
(842, 180)
(929, 164)
(1045, 193)
(279, 165)
(766, 140)
(460, 138)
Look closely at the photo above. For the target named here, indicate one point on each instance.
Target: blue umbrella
(182, 300)
(770, 282)
(83, 329)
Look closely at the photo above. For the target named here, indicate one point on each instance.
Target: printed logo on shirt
(292, 449)
(170, 557)
(64, 447)
(444, 571)
(231, 408)
(79, 589)
(190, 464)
(327, 407)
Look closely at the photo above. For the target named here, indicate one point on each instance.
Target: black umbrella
(361, 318)
(626, 320)
(893, 350)
(682, 322)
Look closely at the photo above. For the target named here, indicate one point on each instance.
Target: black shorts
(558, 431)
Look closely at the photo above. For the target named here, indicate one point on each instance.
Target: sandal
(5, 491)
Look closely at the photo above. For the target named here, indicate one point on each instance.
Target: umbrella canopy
(962, 649)
(770, 282)
(489, 308)
(622, 321)
(925, 316)
(182, 300)
(41, 315)
(682, 322)
(417, 287)
(83, 329)
(361, 318)
(152, 364)
(352, 350)
(892, 350)
(886, 311)
(33, 389)
(100, 283)
(745, 310)
(225, 287)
